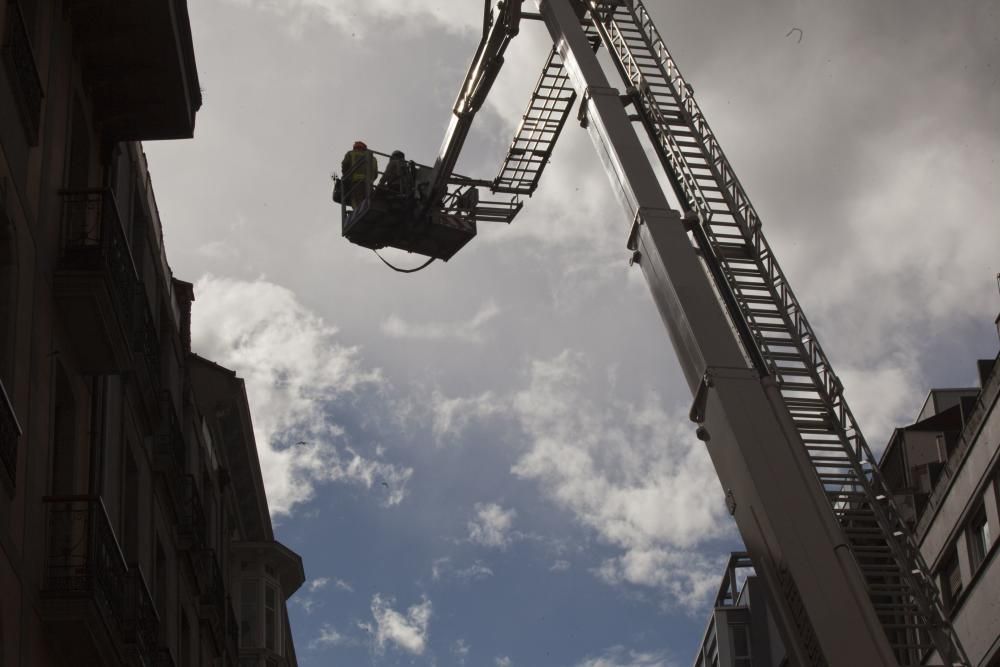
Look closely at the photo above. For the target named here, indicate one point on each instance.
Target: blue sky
(496, 466)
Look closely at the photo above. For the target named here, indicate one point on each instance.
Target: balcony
(10, 433)
(191, 524)
(138, 62)
(83, 586)
(96, 280)
(140, 622)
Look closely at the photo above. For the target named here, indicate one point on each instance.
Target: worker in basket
(397, 178)
(359, 168)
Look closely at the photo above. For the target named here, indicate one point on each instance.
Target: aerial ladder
(846, 580)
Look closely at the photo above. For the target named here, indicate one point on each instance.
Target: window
(740, 645)
(248, 614)
(270, 618)
(978, 538)
(951, 580)
(260, 611)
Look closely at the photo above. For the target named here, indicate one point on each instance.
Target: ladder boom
(772, 324)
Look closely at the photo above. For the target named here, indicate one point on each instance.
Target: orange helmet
(360, 145)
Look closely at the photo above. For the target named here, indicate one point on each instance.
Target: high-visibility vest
(361, 165)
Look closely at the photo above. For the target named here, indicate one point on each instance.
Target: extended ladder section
(529, 152)
(775, 329)
(550, 105)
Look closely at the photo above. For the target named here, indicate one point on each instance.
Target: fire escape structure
(848, 582)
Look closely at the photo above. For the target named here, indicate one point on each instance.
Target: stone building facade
(134, 529)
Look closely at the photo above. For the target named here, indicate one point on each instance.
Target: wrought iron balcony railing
(93, 239)
(140, 623)
(82, 557)
(191, 522)
(19, 60)
(170, 449)
(10, 433)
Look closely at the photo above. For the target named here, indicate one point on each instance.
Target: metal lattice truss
(897, 578)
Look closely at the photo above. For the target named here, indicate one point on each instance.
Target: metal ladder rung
(689, 149)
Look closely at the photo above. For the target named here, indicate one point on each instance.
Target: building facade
(740, 630)
(134, 528)
(944, 471)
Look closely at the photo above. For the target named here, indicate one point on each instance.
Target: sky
(489, 462)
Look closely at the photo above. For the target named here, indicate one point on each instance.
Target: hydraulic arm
(497, 34)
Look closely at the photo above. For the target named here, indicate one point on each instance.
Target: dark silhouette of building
(134, 528)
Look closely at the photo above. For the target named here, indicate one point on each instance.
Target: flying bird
(799, 30)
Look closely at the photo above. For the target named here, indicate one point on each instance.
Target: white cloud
(444, 568)
(408, 631)
(687, 577)
(294, 368)
(218, 250)
(468, 331)
(306, 599)
(451, 415)
(440, 566)
(883, 396)
(503, 661)
(318, 583)
(492, 525)
(474, 572)
(330, 636)
(322, 582)
(559, 566)
(307, 603)
(619, 656)
(460, 649)
(353, 17)
(632, 472)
